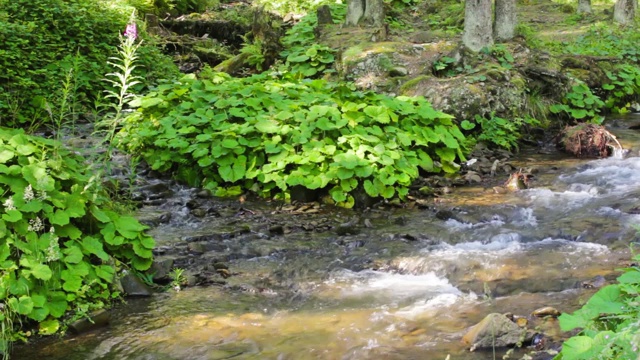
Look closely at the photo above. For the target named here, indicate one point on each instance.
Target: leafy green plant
(580, 104)
(253, 50)
(500, 53)
(177, 279)
(302, 55)
(316, 60)
(610, 322)
(61, 241)
(267, 135)
(498, 131)
(444, 66)
(604, 40)
(623, 87)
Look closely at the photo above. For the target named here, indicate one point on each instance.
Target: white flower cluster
(53, 251)
(9, 205)
(28, 194)
(35, 225)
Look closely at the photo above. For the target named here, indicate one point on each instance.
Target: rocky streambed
(270, 280)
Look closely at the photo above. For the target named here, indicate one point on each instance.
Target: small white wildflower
(42, 195)
(28, 193)
(53, 251)
(35, 225)
(9, 205)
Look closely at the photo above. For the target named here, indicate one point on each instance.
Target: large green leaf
(59, 218)
(93, 246)
(48, 327)
(36, 174)
(6, 155)
(41, 271)
(73, 255)
(128, 226)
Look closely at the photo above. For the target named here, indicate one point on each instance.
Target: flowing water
(406, 287)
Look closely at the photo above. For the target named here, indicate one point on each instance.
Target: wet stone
(445, 215)
(546, 311)
(277, 230)
(133, 286)
(495, 330)
(594, 283)
(199, 212)
(160, 250)
(160, 269)
(355, 244)
(96, 320)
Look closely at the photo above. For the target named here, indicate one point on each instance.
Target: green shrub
(303, 56)
(501, 132)
(267, 135)
(40, 40)
(580, 104)
(60, 242)
(610, 322)
(623, 88)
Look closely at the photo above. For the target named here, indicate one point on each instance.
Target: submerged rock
(95, 320)
(495, 330)
(594, 283)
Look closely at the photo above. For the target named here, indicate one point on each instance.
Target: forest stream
(392, 283)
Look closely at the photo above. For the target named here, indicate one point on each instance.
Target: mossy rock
(371, 65)
(502, 93)
(586, 69)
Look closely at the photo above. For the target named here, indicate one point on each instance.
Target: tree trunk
(355, 12)
(504, 26)
(477, 25)
(624, 11)
(374, 13)
(370, 12)
(584, 6)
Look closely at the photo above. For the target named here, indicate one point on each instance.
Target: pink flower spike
(131, 31)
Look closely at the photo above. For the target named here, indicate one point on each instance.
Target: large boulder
(380, 66)
(493, 91)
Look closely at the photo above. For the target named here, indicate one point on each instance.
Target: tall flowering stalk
(122, 80)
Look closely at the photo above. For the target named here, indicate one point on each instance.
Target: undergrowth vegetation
(44, 43)
(267, 135)
(64, 243)
(62, 240)
(610, 321)
(303, 56)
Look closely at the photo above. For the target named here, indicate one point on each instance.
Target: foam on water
(456, 225)
(569, 199)
(524, 217)
(613, 174)
(426, 306)
(396, 286)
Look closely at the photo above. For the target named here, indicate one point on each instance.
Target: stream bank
(313, 281)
